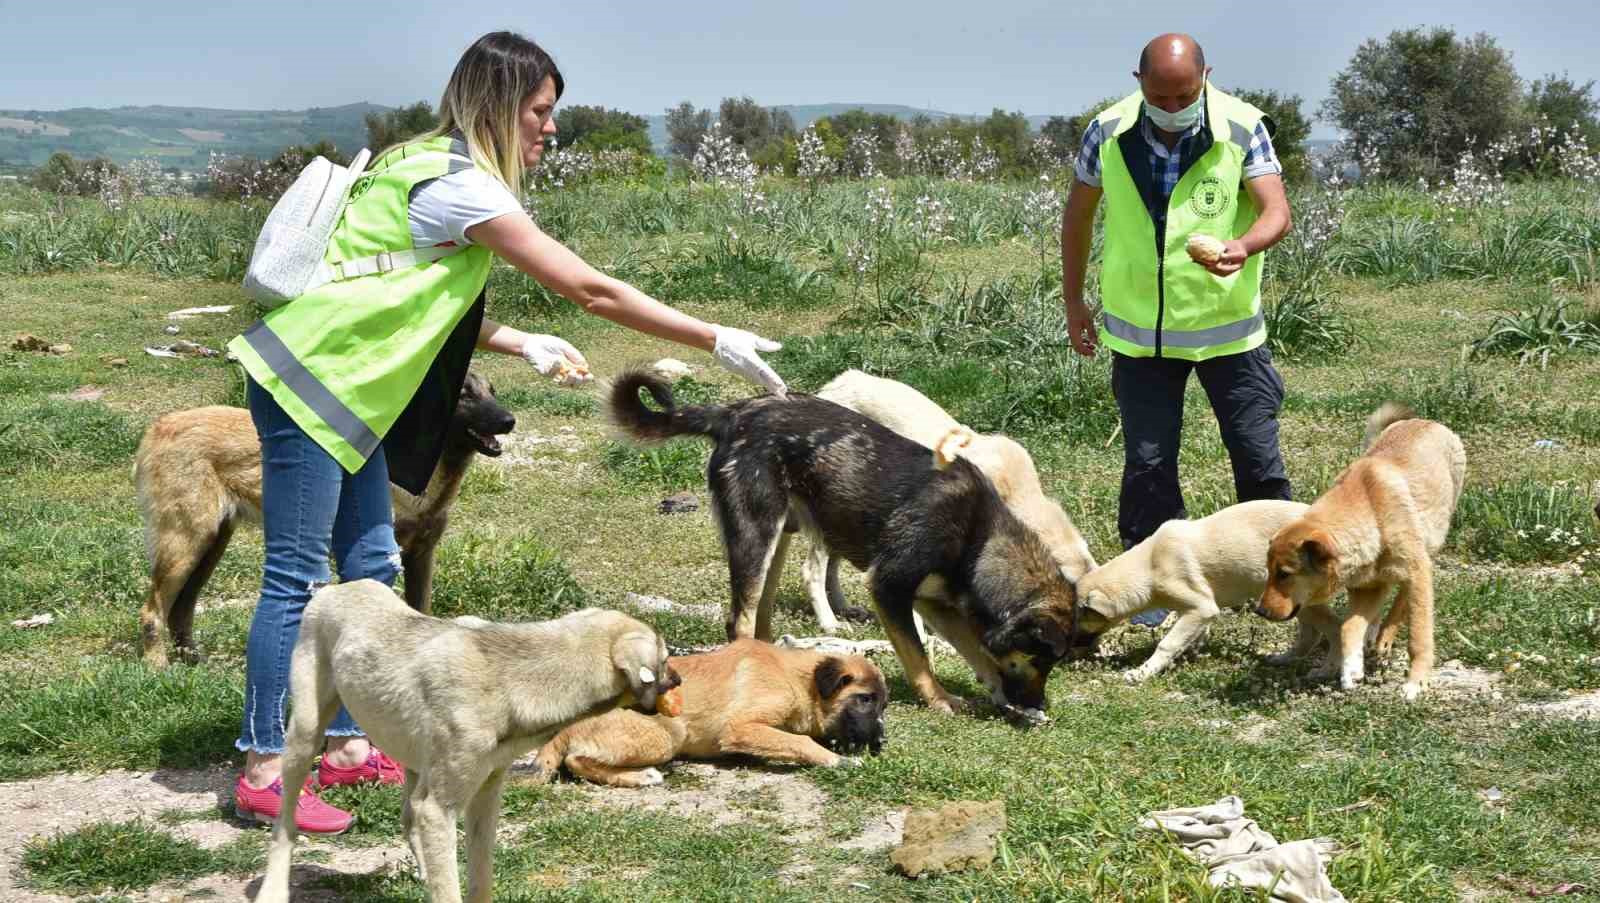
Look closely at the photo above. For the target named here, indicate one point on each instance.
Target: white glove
(737, 350)
(557, 359)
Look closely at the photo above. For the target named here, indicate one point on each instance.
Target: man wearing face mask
(1179, 158)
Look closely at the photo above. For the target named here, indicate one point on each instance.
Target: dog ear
(634, 653)
(949, 445)
(1050, 633)
(830, 676)
(1090, 618)
(1029, 629)
(1316, 553)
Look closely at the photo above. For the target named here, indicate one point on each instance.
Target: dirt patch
(66, 802)
(201, 135)
(1581, 707)
(721, 796)
(879, 834)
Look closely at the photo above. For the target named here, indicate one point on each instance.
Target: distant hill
(184, 137)
(181, 137)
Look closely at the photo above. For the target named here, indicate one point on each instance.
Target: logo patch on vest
(1210, 198)
(361, 185)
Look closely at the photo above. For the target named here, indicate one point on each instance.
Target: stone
(681, 503)
(954, 837)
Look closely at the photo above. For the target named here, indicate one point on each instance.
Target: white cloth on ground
(1239, 851)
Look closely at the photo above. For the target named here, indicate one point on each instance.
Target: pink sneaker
(311, 814)
(378, 767)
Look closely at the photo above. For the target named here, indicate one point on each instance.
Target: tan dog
(1195, 568)
(198, 473)
(1005, 462)
(456, 702)
(1376, 529)
(747, 698)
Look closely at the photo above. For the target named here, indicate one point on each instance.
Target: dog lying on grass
(198, 473)
(1005, 462)
(747, 698)
(456, 702)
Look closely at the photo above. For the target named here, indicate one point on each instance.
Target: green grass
(971, 324)
(131, 855)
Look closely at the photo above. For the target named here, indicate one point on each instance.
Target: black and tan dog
(937, 542)
(198, 473)
(747, 698)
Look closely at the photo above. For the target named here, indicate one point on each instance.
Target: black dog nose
(505, 424)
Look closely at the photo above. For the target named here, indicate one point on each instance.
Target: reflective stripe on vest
(310, 390)
(1195, 338)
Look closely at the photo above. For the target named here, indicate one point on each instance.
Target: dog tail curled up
(1389, 412)
(630, 413)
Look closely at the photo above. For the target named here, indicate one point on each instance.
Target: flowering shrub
(569, 167)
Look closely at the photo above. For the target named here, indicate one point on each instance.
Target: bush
(1525, 521)
(1306, 323)
(1541, 330)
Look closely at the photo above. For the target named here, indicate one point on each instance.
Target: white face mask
(1181, 121)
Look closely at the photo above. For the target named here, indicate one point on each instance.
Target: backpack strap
(394, 260)
(384, 262)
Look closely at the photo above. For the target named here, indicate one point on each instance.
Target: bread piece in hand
(1205, 249)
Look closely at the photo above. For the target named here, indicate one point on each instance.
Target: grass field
(1381, 293)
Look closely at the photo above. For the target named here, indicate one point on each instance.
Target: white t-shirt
(443, 209)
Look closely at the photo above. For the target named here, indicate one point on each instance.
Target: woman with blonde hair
(349, 383)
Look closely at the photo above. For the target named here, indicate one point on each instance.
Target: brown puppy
(1377, 528)
(198, 473)
(748, 698)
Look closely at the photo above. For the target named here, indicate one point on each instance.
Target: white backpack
(288, 258)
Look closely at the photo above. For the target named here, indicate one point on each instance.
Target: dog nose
(1261, 611)
(507, 424)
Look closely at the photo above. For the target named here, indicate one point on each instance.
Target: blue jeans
(311, 510)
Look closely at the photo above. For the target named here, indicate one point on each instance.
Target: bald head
(1172, 72)
(1171, 53)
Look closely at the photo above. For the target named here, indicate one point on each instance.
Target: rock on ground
(955, 836)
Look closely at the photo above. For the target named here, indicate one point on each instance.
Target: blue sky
(1029, 55)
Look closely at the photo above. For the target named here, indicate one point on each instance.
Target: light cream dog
(1376, 529)
(1195, 568)
(1005, 462)
(456, 702)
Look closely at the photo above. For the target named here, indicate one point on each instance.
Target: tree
(1064, 136)
(1292, 129)
(391, 127)
(599, 128)
(686, 126)
(1007, 135)
(1565, 106)
(1421, 98)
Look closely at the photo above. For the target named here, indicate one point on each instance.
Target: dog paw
(1137, 675)
(948, 705)
(650, 777)
(1411, 689)
(846, 762)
